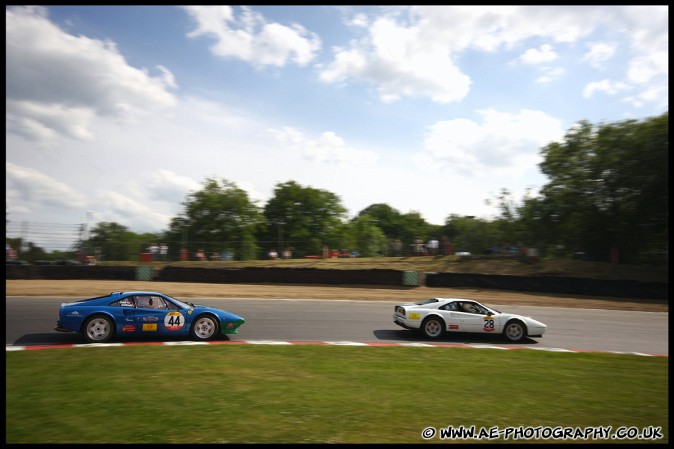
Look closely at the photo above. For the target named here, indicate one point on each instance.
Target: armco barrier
(552, 284)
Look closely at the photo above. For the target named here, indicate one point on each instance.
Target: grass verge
(320, 394)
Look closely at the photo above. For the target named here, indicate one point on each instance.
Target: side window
(124, 302)
(469, 307)
(449, 306)
(158, 303)
(144, 302)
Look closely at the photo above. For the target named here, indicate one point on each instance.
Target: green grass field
(321, 394)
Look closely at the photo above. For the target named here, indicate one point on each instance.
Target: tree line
(606, 200)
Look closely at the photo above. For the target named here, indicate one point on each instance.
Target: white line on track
(11, 348)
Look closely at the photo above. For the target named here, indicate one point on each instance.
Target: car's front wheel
(204, 328)
(98, 329)
(515, 331)
(433, 327)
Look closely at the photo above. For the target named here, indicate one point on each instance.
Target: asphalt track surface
(30, 321)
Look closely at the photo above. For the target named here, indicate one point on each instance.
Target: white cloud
(29, 190)
(412, 52)
(328, 148)
(399, 62)
(644, 69)
(167, 186)
(599, 53)
(654, 95)
(251, 38)
(534, 56)
(500, 142)
(120, 208)
(550, 74)
(43, 121)
(57, 82)
(606, 86)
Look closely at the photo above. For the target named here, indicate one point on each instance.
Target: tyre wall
(543, 284)
(280, 276)
(70, 272)
(552, 284)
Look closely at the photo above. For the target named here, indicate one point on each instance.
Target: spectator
(446, 246)
(273, 254)
(433, 246)
(200, 255)
(418, 247)
(153, 249)
(163, 251)
(10, 253)
(287, 253)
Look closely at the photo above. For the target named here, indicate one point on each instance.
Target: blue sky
(117, 113)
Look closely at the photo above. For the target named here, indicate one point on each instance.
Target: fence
(48, 236)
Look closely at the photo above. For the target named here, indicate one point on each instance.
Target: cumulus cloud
(120, 208)
(399, 62)
(599, 53)
(542, 54)
(28, 188)
(499, 142)
(550, 74)
(168, 186)
(56, 82)
(606, 86)
(415, 51)
(249, 37)
(328, 148)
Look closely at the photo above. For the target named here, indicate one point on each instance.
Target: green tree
(388, 219)
(367, 237)
(219, 217)
(414, 227)
(113, 241)
(303, 218)
(608, 188)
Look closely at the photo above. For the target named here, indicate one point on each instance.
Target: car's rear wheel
(204, 328)
(515, 331)
(98, 329)
(433, 327)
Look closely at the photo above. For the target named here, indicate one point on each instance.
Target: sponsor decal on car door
(150, 312)
(469, 322)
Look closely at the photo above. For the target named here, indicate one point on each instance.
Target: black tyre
(204, 328)
(433, 327)
(515, 331)
(98, 329)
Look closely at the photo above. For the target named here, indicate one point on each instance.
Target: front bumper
(231, 327)
(536, 331)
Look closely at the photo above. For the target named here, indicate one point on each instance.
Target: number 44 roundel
(174, 321)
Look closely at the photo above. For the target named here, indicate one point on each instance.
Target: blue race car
(144, 313)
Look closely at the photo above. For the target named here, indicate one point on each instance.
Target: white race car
(433, 317)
